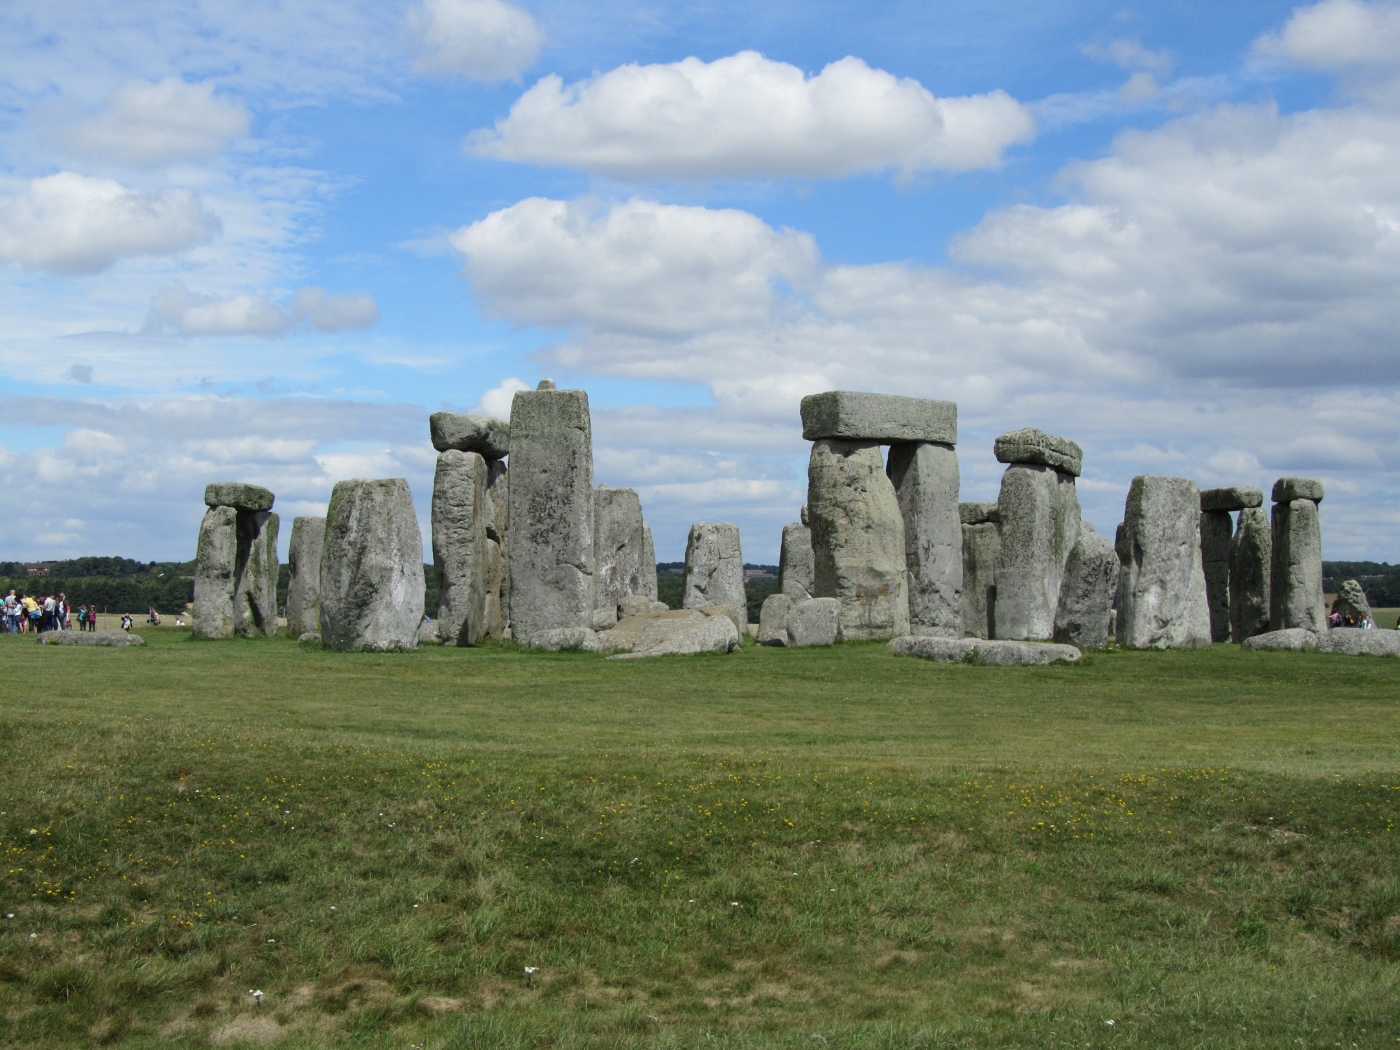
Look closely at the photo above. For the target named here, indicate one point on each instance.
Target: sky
(262, 241)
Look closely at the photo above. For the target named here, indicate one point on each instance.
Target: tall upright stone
(1217, 529)
(215, 566)
(1039, 510)
(619, 548)
(926, 479)
(1087, 592)
(795, 562)
(857, 538)
(649, 585)
(1251, 559)
(235, 590)
(497, 599)
(461, 512)
(1296, 598)
(1162, 586)
(255, 578)
(371, 567)
(550, 544)
(981, 542)
(304, 576)
(714, 567)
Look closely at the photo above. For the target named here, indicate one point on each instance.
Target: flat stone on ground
(104, 638)
(664, 636)
(557, 638)
(1289, 638)
(990, 653)
(239, 495)
(1030, 445)
(851, 415)
(1357, 641)
(1233, 497)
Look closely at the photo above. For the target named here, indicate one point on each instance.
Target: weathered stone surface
(1251, 558)
(556, 638)
(814, 622)
(978, 513)
(857, 539)
(1233, 497)
(310, 636)
(1162, 587)
(1286, 490)
(215, 565)
(926, 479)
(461, 509)
(550, 544)
(1351, 602)
(850, 415)
(803, 516)
(239, 495)
(714, 567)
(487, 437)
(736, 614)
(633, 605)
(1087, 591)
(603, 619)
(990, 653)
(664, 636)
(796, 564)
(1357, 641)
(649, 588)
(428, 633)
(1296, 598)
(1216, 533)
(371, 567)
(660, 607)
(625, 636)
(980, 546)
(620, 566)
(773, 618)
(1290, 638)
(117, 639)
(1039, 524)
(496, 610)
(1030, 445)
(304, 576)
(255, 579)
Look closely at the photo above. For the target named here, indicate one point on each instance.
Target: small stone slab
(664, 636)
(1286, 490)
(1293, 638)
(979, 513)
(1357, 641)
(1030, 445)
(557, 638)
(105, 638)
(1234, 497)
(979, 650)
(489, 438)
(853, 415)
(813, 622)
(239, 495)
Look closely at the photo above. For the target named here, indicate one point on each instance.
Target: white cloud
(152, 124)
(332, 312)
(747, 115)
(68, 223)
(1337, 34)
(178, 309)
(478, 39)
(496, 402)
(1130, 54)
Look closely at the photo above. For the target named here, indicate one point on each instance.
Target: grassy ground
(820, 848)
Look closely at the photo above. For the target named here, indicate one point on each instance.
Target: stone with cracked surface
(1251, 558)
(1087, 591)
(714, 567)
(556, 638)
(460, 512)
(255, 579)
(665, 636)
(988, 652)
(1295, 578)
(851, 415)
(795, 562)
(1162, 586)
(1351, 602)
(1030, 445)
(239, 495)
(215, 566)
(813, 622)
(978, 513)
(620, 567)
(773, 618)
(926, 480)
(1232, 498)
(304, 575)
(1039, 508)
(487, 437)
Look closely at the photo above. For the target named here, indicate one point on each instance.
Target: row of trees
(133, 594)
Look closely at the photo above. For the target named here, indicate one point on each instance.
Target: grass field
(812, 848)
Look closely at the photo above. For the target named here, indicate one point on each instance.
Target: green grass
(819, 848)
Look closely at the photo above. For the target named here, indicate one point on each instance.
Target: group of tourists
(25, 613)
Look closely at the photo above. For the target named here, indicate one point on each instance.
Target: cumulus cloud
(152, 124)
(477, 39)
(747, 115)
(496, 402)
(333, 312)
(178, 309)
(69, 223)
(1337, 34)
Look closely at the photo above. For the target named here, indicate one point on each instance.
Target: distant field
(790, 848)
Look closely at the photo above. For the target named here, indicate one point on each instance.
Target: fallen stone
(1162, 587)
(460, 512)
(620, 567)
(1286, 490)
(857, 539)
(773, 619)
(990, 653)
(103, 638)
(239, 495)
(664, 636)
(736, 614)
(555, 639)
(978, 513)
(633, 605)
(487, 437)
(981, 544)
(304, 576)
(371, 567)
(1251, 557)
(1290, 638)
(215, 564)
(255, 579)
(627, 633)
(1295, 578)
(1087, 591)
(795, 562)
(1039, 508)
(814, 622)
(1030, 445)
(926, 479)
(714, 567)
(1234, 497)
(850, 415)
(309, 636)
(1357, 641)
(1216, 532)
(1351, 602)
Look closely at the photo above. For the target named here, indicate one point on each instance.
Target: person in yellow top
(30, 620)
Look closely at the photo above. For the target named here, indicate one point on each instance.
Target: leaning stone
(487, 437)
(736, 614)
(215, 565)
(1234, 497)
(814, 622)
(103, 638)
(1351, 602)
(1039, 524)
(980, 546)
(1358, 641)
(1035, 446)
(1291, 638)
(978, 513)
(849, 415)
(858, 539)
(1296, 598)
(1286, 490)
(461, 509)
(304, 576)
(238, 495)
(633, 605)
(714, 567)
(773, 618)
(1216, 531)
(1251, 557)
(648, 588)
(619, 548)
(556, 638)
(795, 562)
(990, 653)
(926, 480)
(550, 544)
(1087, 591)
(1162, 588)
(255, 581)
(371, 567)
(672, 637)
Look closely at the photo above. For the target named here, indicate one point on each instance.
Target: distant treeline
(135, 593)
(1380, 580)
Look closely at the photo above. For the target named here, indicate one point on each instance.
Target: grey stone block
(1296, 598)
(814, 622)
(664, 636)
(620, 566)
(487, 437)
(980, 546)
(115, 639)
(714, 567)
(796, 565)
(1216, 532)
(1039, 525)
(496, 612)
(1251, 558)
(1087, 591)
(1030, 445)
(1351, 602)
(556, 638)
(1286, 490)
(304, 576)
(850, 415)
(1356, 641)
(773, 618)
(1162, 586)
(1290, 638)
(926, 480)
(991, 653)
(649, 587)
(238, 495)
(215, 566)
(633, 605)
(255, 579)
(1231, 498)
(978, 513)
(736, 614)
(461, 510)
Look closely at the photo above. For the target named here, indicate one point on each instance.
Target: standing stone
(1039, 509)
(1351, 602)
(649, 587)
(857, 539)
(1296, 577)
(795, 564)
(714, 567)
(1251, 557)
(255, 579)
(619, 548)
(371, 567)
(1162, 587)
(496, 606)
(215, 564)
(925, 479)
(981, 543)
(461, 510)
(550, 544)
(1216, 532)
(304, 583)
(1087, 591)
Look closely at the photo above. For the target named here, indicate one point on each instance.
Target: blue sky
(263, 241)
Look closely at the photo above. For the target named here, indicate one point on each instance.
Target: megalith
(1039, 509)
(649, 585)
(304, 579)
(235, 587)
(460, 514)
(1296, 577)
(497, 607)
(981, 542)
(795, 565)
(1217, 541)
(1087, 591)
(1162, 584)
(371, 567)
(925, 478)
(714, 567)
(255, 579)
(619, 548)
(886, 419)
(487, 437)
(549, 548)
(215, 563)
(1351, 603)
(1251, 557)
